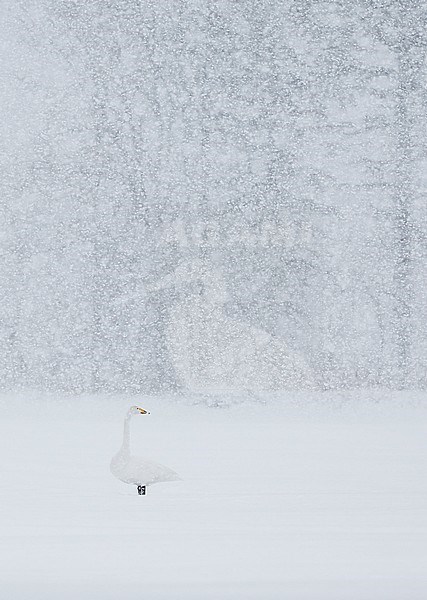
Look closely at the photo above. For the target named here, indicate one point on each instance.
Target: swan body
(134, 470)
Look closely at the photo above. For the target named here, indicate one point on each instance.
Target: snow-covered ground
(324, 499)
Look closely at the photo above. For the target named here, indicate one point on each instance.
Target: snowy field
(323, 498)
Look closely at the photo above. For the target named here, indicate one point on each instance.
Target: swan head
(136, 410)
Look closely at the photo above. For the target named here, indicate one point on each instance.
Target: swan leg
(141, 490)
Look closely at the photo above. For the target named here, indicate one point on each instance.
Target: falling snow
(199, 195)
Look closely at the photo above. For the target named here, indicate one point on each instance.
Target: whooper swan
(134, 470)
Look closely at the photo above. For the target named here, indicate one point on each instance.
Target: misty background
(202, 194)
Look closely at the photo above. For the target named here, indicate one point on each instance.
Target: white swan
(134, 470)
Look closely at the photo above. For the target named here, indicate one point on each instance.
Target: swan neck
(126, 435)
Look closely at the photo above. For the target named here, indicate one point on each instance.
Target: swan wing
(140, 471)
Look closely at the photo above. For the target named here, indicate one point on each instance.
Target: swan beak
(142, 411)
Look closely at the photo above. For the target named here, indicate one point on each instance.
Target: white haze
(216, 210)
